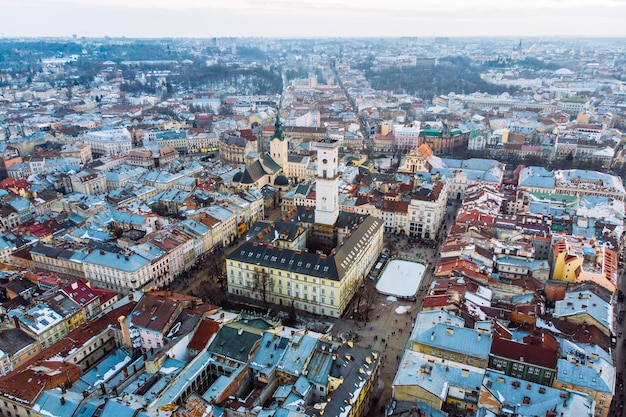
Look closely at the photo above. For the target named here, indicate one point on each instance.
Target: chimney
(16, 321)
(103, 388)
(62, 399)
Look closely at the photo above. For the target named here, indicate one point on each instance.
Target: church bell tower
(279, 146)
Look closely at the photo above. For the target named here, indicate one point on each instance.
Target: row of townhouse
(489, 367)
(29, 330)
(575, 182)
(418, 212)
(160, 256)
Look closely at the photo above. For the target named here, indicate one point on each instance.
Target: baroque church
(267, 169)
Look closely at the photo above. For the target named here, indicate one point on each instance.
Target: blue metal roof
(457, 339)
(49, 403)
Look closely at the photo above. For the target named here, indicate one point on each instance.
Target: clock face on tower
(324, 161)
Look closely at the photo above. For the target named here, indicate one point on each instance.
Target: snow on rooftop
(484, 292)
(541, 324)
(476, 299)
(475, 310)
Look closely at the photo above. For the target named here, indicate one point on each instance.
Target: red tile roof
(80, 292)
(9, 183)
(104, 295)
(26, 384)
(433, 302)
(532, 351)
(203, 334)
(186, 300)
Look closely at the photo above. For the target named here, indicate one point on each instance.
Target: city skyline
(303, 18)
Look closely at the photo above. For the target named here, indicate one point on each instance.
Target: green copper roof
(278, 128)
(430, 132)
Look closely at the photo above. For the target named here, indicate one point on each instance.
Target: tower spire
(278, 127)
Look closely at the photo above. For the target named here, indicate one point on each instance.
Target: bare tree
(262, 283)
(392, 245)
(370, 298)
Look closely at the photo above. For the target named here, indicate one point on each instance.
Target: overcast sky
(311, 18)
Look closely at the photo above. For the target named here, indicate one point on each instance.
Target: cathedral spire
(278, 128)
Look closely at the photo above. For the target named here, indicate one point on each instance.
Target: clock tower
(327, 183)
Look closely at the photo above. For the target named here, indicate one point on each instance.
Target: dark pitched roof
(269, 164)
(267, 231)
(252, 173)
(14, 340)
(231, 140)
(331, 266)
(61, 303)
(298, 262)
(19, 286)
(154, 313)
(235, 341)
(353, 364)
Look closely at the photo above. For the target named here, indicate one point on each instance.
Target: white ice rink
(401, 278)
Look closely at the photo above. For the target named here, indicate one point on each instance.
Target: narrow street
(390, 321)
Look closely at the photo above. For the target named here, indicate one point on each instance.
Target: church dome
(237, 177)
(281, 180)
(563, 71)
